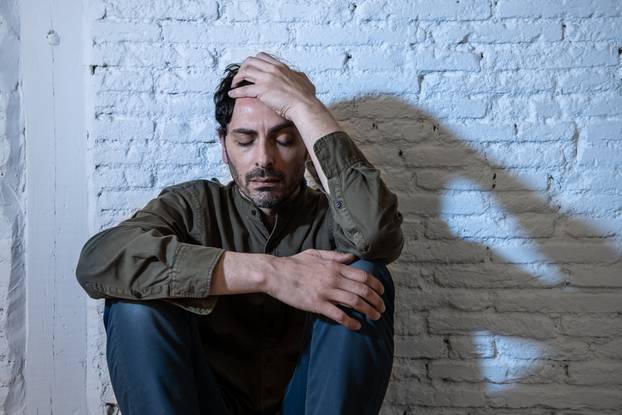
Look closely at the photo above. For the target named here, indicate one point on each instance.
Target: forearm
(313, 120)
(239, 273)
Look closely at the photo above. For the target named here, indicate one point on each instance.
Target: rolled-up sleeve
(149, 256)
(365, 216)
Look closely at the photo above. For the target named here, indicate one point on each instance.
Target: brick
(481, 131)
(466, 227)
(485, 275)
(409, 369)
(598, 156)
(164, 9)
(425, 58)
(420, 347)
(381, 58)
(110, 79)
(445, 251)
(498, 82)
(192, 32)
(144, 55)
(554, 396)
(603, 130)
(192, 130)
(558, 300)
(519, 201)
(563, 131)
(449, 394)
(134, 199)
(409, 323)
(122, 129)
(456, 107)
(555, 8)
(332, 35)
(319, 59)
(591, 326)
(586, 226)
(184, 81)
(498, 370)
(594, 29)
(471, 347)
(558, 348)
(581, 106)
(340, 87)
(448, 10)
(574, 56)
(507, 31)
(307, 12)
(107, 177)
(558, 251)
(512, 324)
(595, 373)
(110, 31)
(586, 80)
(454, 298)
(522, 155)
(611, 349)
(604, 179)
(241, 11)
(591, 275)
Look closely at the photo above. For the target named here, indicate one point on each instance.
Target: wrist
(310, 108)
(313, 120)
(265, 269)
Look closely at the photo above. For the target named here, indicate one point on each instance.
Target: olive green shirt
(168, 250)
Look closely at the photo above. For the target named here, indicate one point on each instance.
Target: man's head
(264, 151)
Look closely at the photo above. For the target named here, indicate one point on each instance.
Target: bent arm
(150, 256)
(366, 220)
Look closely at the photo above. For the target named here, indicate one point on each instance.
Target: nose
(265, 154)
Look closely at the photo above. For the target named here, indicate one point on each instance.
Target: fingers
(363, 292)
(269, 58)
(342, 257)
(248, 91)
(351, 300)
(248, 73)
(363, 277)
(335, 313)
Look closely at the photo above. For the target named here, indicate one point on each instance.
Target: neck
(269, 214)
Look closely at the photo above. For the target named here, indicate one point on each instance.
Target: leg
(156, 361)
(342, 371)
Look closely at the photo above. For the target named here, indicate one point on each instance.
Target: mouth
(266, 180)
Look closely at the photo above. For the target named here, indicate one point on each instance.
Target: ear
(223, 149)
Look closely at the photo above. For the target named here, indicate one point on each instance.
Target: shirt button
(136, 294)
(338, 204)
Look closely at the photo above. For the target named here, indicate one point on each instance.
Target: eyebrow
(272, 130)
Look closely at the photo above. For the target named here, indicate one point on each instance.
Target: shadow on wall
(503, 301)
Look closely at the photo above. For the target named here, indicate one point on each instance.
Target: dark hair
(223, 102)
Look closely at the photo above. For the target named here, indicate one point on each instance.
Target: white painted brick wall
(498, 123)
(12, 216)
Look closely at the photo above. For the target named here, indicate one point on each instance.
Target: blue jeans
(157, 365)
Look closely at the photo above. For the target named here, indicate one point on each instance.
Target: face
(265, 153)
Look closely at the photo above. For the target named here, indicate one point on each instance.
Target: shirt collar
(285, 210)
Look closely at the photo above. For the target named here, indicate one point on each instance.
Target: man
(263, 296)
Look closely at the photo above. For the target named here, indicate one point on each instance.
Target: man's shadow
(491, 272)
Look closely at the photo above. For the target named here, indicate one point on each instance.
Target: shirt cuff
(336, 152)
(193, 270)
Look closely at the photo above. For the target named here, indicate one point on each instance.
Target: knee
(138, 315)
(377, 269)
